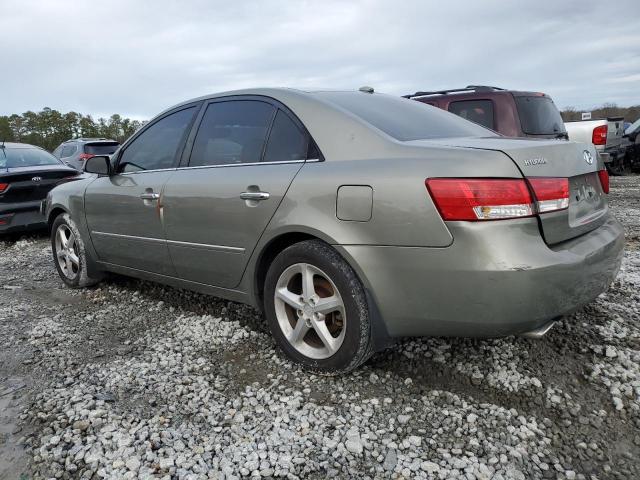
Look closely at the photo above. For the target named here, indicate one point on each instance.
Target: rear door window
(477, 111)
(287, 141)
(539, 115)
(232, 132)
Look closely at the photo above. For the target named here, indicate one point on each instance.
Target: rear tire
(69, 254)
(316, 308)
(618, 167)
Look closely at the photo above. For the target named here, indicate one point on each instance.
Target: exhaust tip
(540, 331)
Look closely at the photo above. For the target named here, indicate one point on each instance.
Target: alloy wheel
(67, 252)
(310, 311)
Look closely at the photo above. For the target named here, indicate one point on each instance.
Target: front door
(123, 210)
(245, 155)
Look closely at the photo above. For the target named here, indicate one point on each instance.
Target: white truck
(606, 134)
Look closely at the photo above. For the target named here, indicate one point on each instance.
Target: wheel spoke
(62, 237)
(289, 298)
(74, 258)
(329, 304)
(308, 289)
(60, 254)
(298, 333)
(325, 336)
(71, 240)
(69, 265)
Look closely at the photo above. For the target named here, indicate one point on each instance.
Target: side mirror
(99, 164)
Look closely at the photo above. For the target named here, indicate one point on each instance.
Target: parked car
(77, 151)
(606, 134)
(631, 145)
(350, 218)
(509, 112)
(27, 173)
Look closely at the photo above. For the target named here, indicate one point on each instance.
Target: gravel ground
(134, 380)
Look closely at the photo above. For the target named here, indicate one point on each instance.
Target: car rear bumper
(496, 279)
(21, 217)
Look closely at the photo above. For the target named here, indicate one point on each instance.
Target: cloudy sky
(139, 57)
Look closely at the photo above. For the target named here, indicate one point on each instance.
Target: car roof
(18, 145)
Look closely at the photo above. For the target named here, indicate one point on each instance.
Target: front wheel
(316, 308)
(69, 254)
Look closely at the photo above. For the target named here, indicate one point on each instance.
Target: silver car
(349, 217)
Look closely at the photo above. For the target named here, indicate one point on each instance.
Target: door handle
(254, 196)
(150, 196)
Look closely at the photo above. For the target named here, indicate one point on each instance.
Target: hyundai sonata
(349, 217)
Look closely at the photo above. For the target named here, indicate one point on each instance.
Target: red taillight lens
(599, 136)
(480, 199)
(551, 194)
(85, 156)
(3, 187)
(604, 180)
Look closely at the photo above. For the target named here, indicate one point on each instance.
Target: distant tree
(49, 128)
(630, 114)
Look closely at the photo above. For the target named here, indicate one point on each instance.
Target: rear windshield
(103, 148)
(25, 157)
(404, 119)
(539, 116)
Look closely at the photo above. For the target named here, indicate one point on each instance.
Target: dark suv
(511, 113)
(75, 152)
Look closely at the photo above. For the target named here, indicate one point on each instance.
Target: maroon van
(511, 113)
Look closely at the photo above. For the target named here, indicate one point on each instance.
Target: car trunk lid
(579, 163)
(32, 183)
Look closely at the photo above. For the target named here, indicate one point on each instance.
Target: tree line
(630, 114)
(49, 128)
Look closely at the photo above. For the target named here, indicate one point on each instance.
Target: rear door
(123, 210)
(243, 157)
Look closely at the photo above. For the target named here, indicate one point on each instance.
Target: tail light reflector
(3, 187)
(85, 156)
(599, 136)
(604, 180)
(480, 199)
(551, 194)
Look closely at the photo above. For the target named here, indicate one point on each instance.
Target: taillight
(599, 136)
(551, 194)
(85, 156)
(3, 187)
(604, 180)
(480, 199)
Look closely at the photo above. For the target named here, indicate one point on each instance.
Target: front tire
(316, 308)
(69, 254)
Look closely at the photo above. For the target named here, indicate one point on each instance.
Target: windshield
(631, 128)
(539, 116)
(104, 148)
(404, 119)
(25, 157)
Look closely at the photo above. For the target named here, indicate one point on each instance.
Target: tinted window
(476, 111)
(68, 150)
(286, 140)
(232, 132)
(25, 157)
(539, 116)
(404, 119)
(103, 148)
(157, 146)
(57, 151)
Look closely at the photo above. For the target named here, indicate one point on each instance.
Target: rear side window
(57, 152)
(232, 132)
(68, 150)
(539, 116)
(476, 111)
(404, 119)
(156, 147)
(102, 148)
(286, 141)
